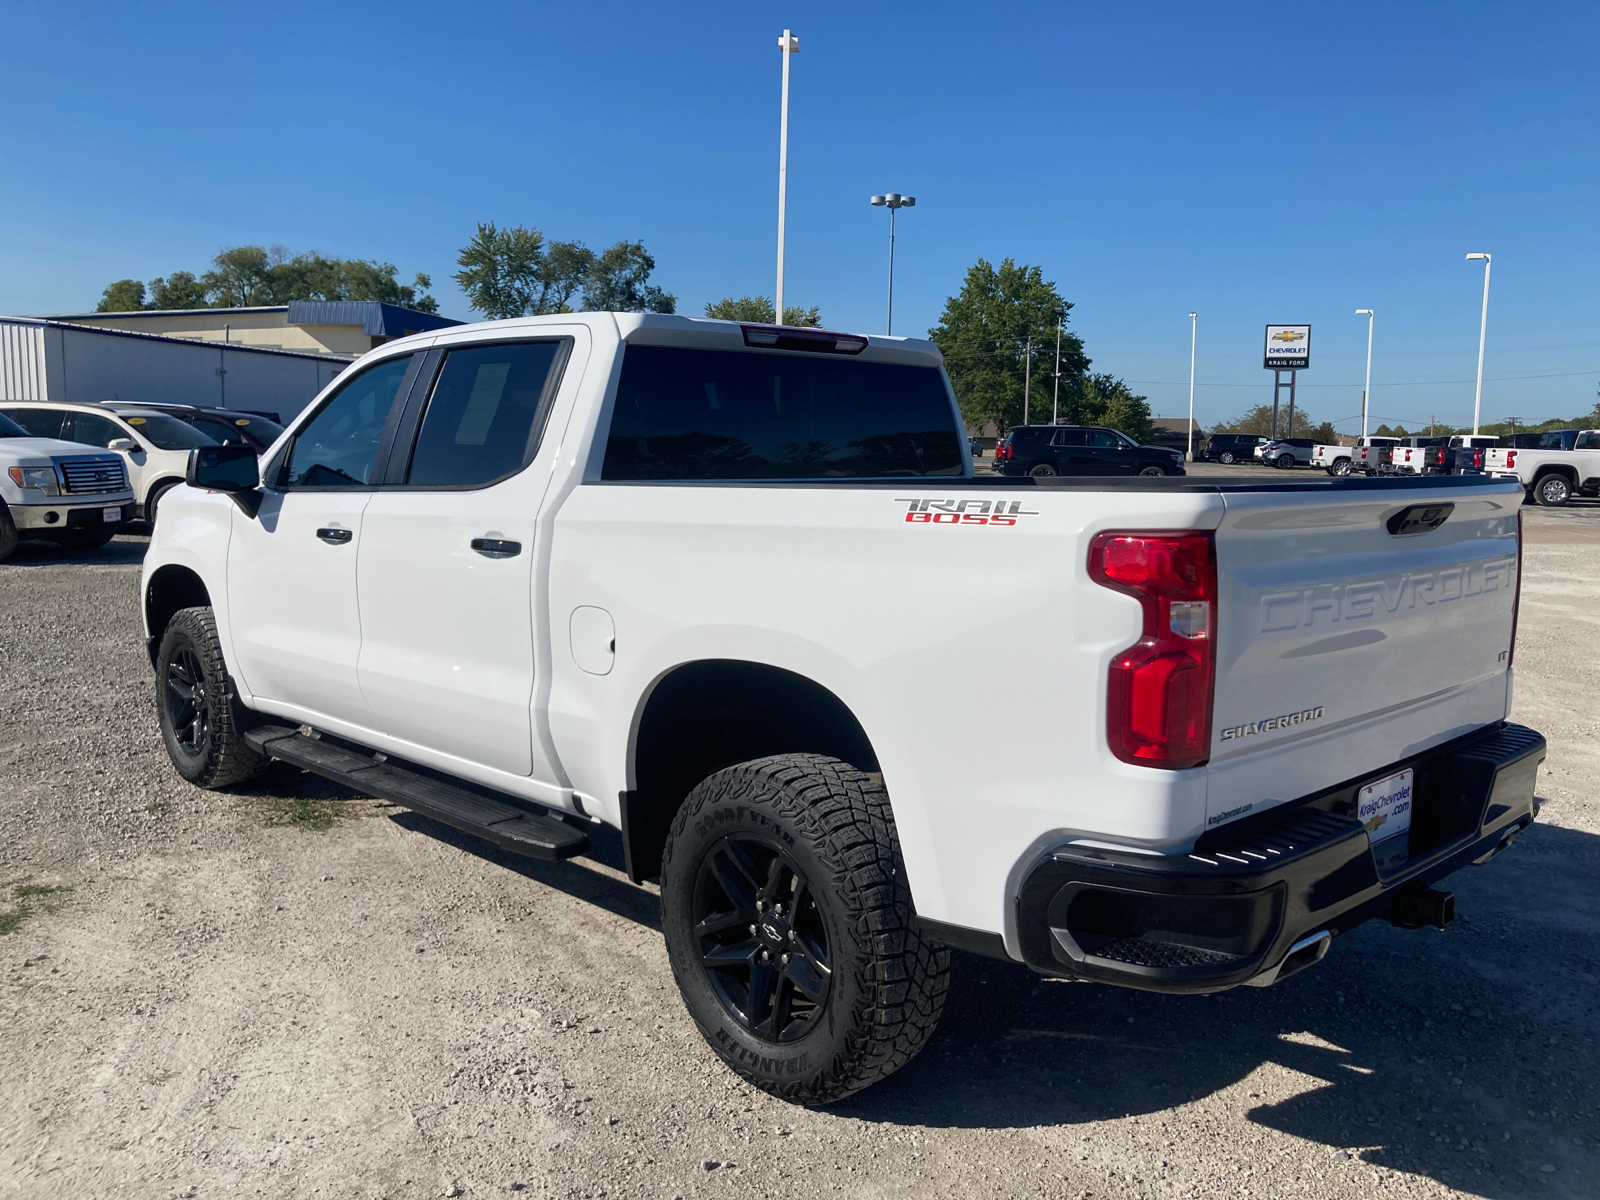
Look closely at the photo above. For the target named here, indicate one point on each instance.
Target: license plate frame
(1384, 807)
(109, 516)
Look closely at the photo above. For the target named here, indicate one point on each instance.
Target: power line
(1406, 383)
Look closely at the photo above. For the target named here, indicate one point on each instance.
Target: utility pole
(1194, 329)
(1055, 401)
(788, 44)
(1027, 378)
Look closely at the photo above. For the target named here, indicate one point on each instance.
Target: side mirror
(230, 469)
(122, 444)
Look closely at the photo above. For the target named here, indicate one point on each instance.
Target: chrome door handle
(496, 547)
(335, 537)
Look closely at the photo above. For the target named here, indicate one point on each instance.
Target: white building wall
(22, 370)
(71, 363)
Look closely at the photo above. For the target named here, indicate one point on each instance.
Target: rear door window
(93, 430)
(687, 414)
(336, 448)
(39, 422)
(486, 415)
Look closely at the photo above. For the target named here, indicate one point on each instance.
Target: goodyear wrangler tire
(202, 721)
(788, 924)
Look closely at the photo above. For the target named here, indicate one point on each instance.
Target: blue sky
(1258, 163)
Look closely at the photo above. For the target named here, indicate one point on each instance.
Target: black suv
(1041, 450)
(1233, 447)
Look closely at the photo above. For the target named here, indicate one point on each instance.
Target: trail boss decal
(963, 512)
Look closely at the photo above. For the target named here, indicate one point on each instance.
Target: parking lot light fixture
(893, 201)
(1483, 329)
(1366, 391)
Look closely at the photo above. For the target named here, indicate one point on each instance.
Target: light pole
(1194, 330)
(1366, 391)
(1055, 401)
(892, 201)
(788, 44)
(1483, 329)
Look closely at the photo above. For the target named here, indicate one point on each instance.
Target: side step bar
(508, 827)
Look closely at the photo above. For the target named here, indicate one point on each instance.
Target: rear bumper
(1252, 901)
(70, 513)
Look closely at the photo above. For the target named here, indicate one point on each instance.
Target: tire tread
(903, 978)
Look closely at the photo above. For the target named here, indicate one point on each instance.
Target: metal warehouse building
(66, 363)
(197, 357)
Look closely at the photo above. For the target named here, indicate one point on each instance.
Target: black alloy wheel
(1226, 458)
(790, 928)
(1285, 461)
(188, 706)
(1042, 470)
(763, 939)
(1153, 470)
(202, 722)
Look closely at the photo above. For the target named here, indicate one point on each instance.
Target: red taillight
(1511, 461)
(1516, 597)
(1160, 689)
(1477, 459)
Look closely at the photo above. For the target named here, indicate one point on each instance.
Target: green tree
(757, 310)
(983, 334)
(1258, 419)
(240, 277)
(618, 280)
(178, 290)
(515, 272)
(125, 295)
(1107, 400)
(501, 269)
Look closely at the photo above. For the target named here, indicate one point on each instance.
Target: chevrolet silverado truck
(737, 592)
(58, 491)
(1341, 460)
(1551, 477)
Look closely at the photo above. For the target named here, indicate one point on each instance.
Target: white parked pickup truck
(1550, 476)
(1341, 460)
(737, 592)
(58, 491)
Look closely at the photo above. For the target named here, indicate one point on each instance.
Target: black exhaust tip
(1433, 909)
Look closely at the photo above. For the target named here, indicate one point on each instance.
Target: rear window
(687, 414)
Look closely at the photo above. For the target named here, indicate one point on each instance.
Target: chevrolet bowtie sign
(1288, 347)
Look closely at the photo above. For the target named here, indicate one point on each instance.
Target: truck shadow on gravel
(121, 551)
(1467, 1056)
(617, 896)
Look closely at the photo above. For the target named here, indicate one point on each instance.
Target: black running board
(509, 827)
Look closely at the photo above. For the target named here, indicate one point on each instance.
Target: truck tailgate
(1354, 632)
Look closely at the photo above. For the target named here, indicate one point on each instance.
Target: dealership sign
(1288, 347)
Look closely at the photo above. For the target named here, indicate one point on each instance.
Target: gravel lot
(286, 992)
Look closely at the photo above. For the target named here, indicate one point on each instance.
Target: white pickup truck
(1341, 460)
(737, 592)
(59, 491)
(1551, 477)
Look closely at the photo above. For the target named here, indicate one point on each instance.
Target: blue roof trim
(375, 318)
